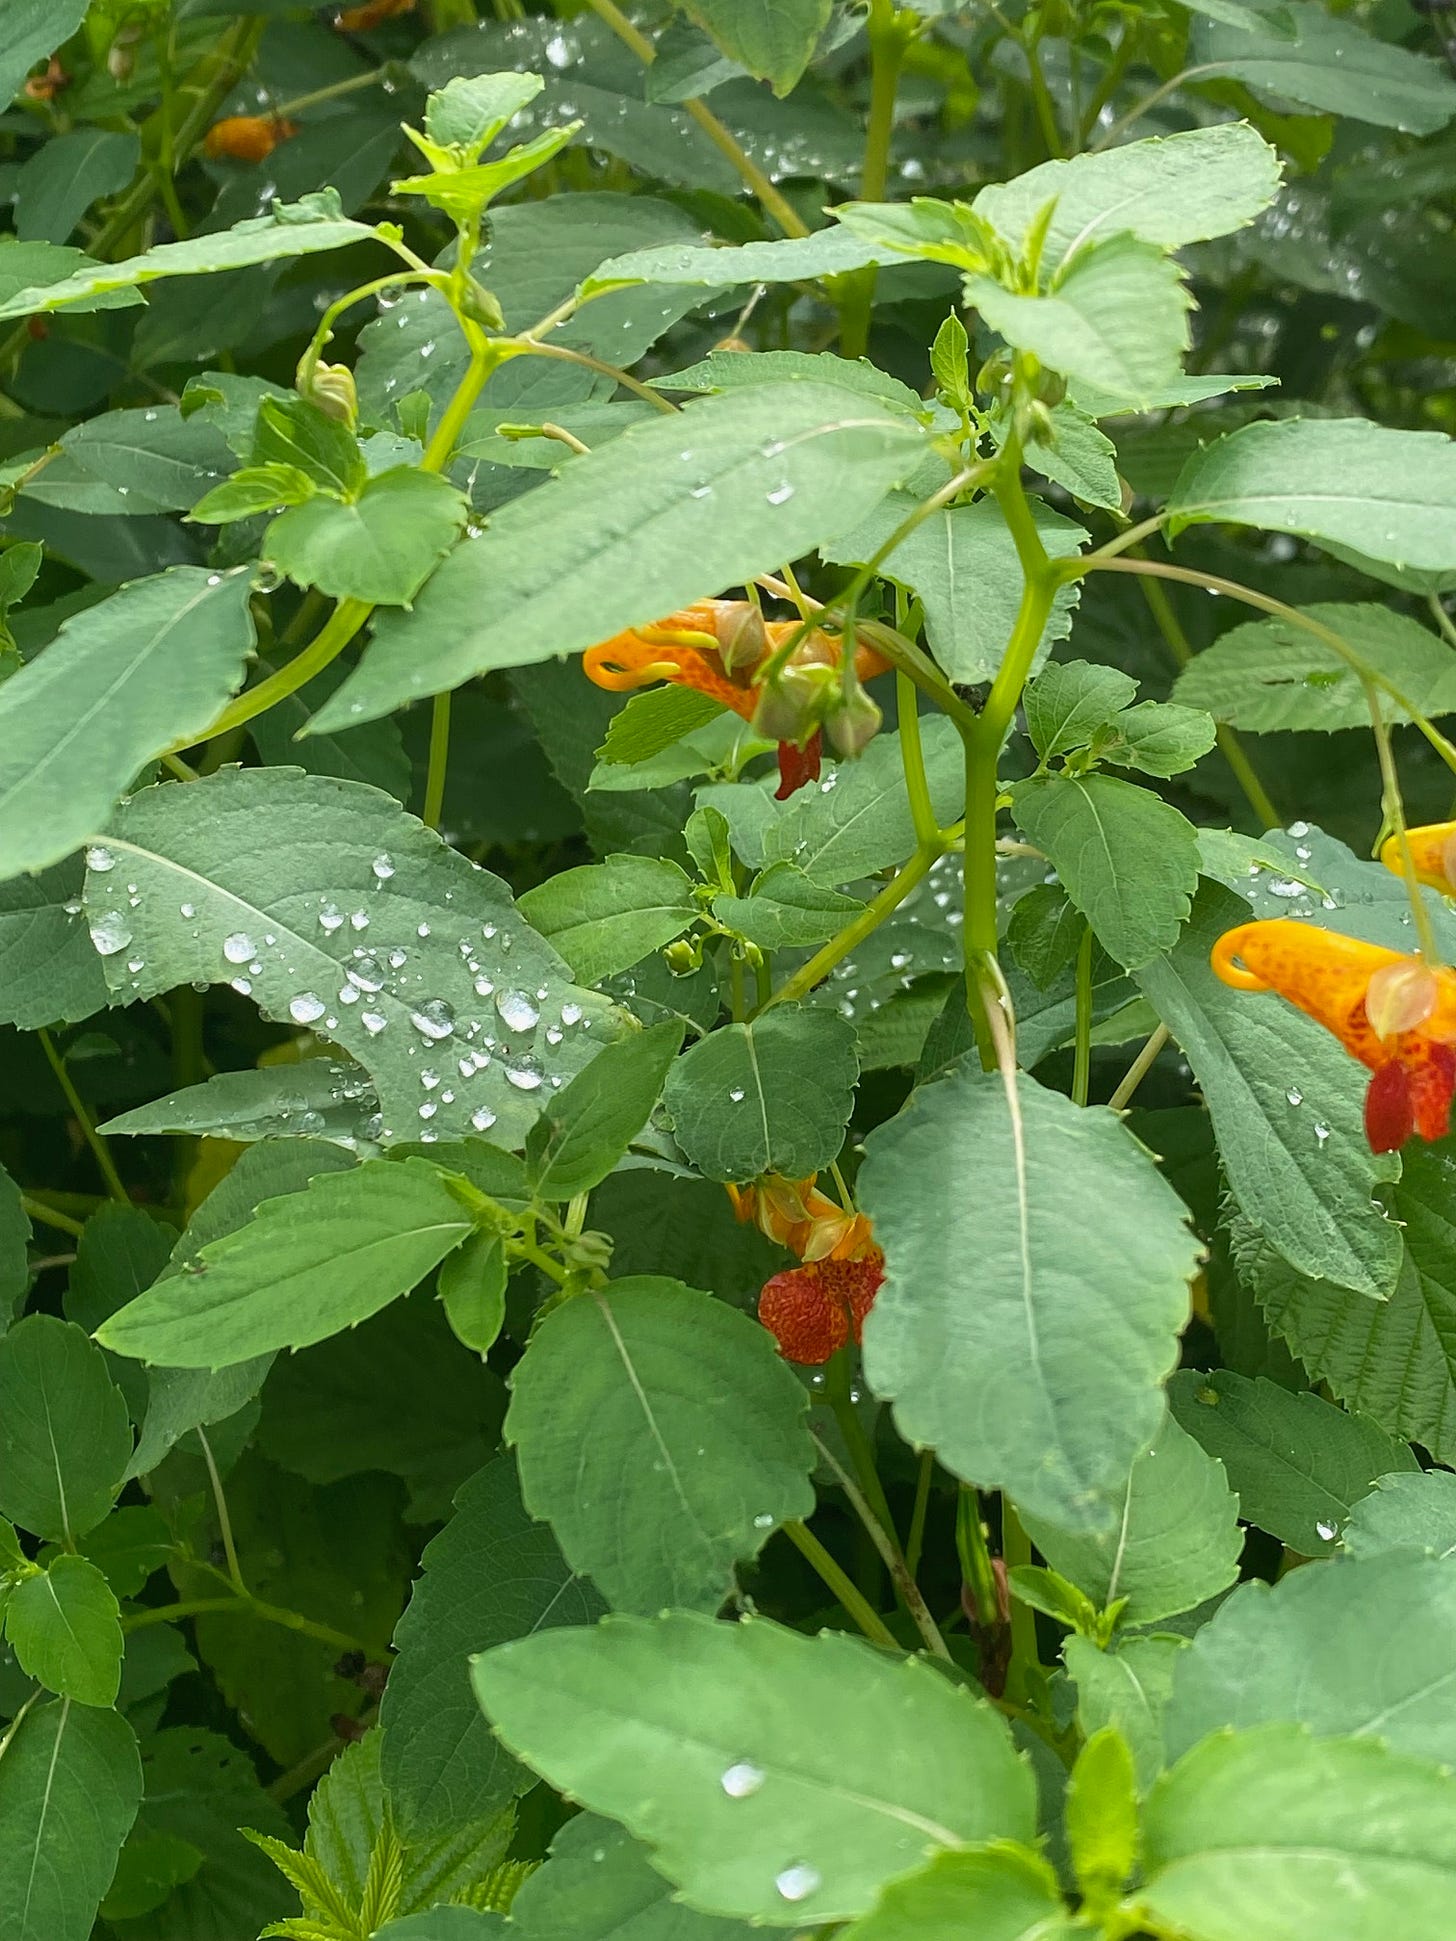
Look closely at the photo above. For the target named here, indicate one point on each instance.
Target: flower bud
(480, 306)
(851, 722)
(791, 707)
(331, 388)
(741, 634)
(683, 957)
(1400, 996)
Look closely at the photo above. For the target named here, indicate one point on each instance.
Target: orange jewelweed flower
(247, 138)
(716, 647)
(812, 1310)
(1433, 851)
(358, 20)
(1396, 1014)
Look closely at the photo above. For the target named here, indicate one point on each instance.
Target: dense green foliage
(421, 1041)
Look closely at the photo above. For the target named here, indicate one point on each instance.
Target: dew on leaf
(307, 1008)
(237, 947)
(742, 1780)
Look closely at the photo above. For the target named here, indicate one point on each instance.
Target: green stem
(439, 760)
(49, 1217)
(1139, 108)
(1082, 1061)
(839, 1583)
(1442, 619)
(1232, 749)
(1016, 1551)
(224, 1521)
(255, 1607)
(331, 640)
(975, 1559)
(915, 1548)
(884, 1542)
(1138, 1070)
(747, 169)
(858, 928)
(1041, 94)
(333, 92)
(1394, 807)
(99, 1148)
(912, 756)
(890, 34)
(837, 1386)
(528, 347)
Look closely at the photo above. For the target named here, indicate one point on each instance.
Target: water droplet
(186, 910)
(366, 973)
(554, 1034)
(238, 947)
(1294, 1096)
(348, 995)
(781, 494)
(764, 1520)
(434, 1019)
(359, 920)
(743, 1780)
(331, 918)
(428, 1109)
(736, 1093)
(422, 930)
(482, 1118)
(110, 933)
(243, 986)
(525, 1073)
(1321, 1132)
(306, 1008)
(517, 1011)
(798, 1882)
(383, 866)
(571, 1014)
(1325, 1531)
(373, 1022)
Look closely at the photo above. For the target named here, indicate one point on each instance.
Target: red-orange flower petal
(358, 20)
(798, 765)
(811, 1311)
(247, 138)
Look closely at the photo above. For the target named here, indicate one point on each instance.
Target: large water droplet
(373, 1022)
(366, 973)
(517, 1011)
(571, 1014)
(482, 1118)
(331, 918)
(306, 1008)
(798, 1882)
(238, 947)
(434, 1019)
(100, 859)
(110, 933)
(743, 1780)
(383, 866)
(1325, 1531)
(525, 1073)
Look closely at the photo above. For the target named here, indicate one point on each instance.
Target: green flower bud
(331, 388)
(851, 722)
(742, 636)
(791, 707)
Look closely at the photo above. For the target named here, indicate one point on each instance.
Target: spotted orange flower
(247, 138)
(1433, 851)
(717, 647)
(812, 1310)
(1396, 1014)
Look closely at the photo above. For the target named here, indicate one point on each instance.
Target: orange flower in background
(1433, 851)
(717, 647)
(247, 138)
(1396, 1014)
(358, 20)
(811, 1311)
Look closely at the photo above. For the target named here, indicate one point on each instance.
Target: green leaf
(773, 39)
(65, 1438)
(30, 31)
(962, 561)
(1411, 1510)
(586, 1129)
(1070, 700)
(1331, 65)
(1075, 1234)
(1287, 1109)
(730, 370)
(1181, 189)
(150, 665)
(1102, 1816)
(675, 1411)
(1175, 1542)
(634, 530)
(14, 1245)
(64, 1626)
(1297, 1462)
(1390, 495)
(49, 970)
(65, 175)
(321, 1097)
(293, 229)
(786, 910)
(597, 1885)
(70, 1785)
(330, 906)
(644, 1720)
(795, 259)
(1127, 1687)
(1260, 1835)
(130, 1547)
(380, 548)
(490, 1575)
(294, 432)
(1117, 318)
(772, 1096)
(129, 462)
(469, 112)
(393, 1394)
(1270, 675)
(1357, 1648)
(1044, 932)
(605, 917)
(1127, 859)
(653, 721)
(1158, 738)
(472, 1288)
(254, 490)
(1078, 457)
(304, 1267)
(1001, 1893)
